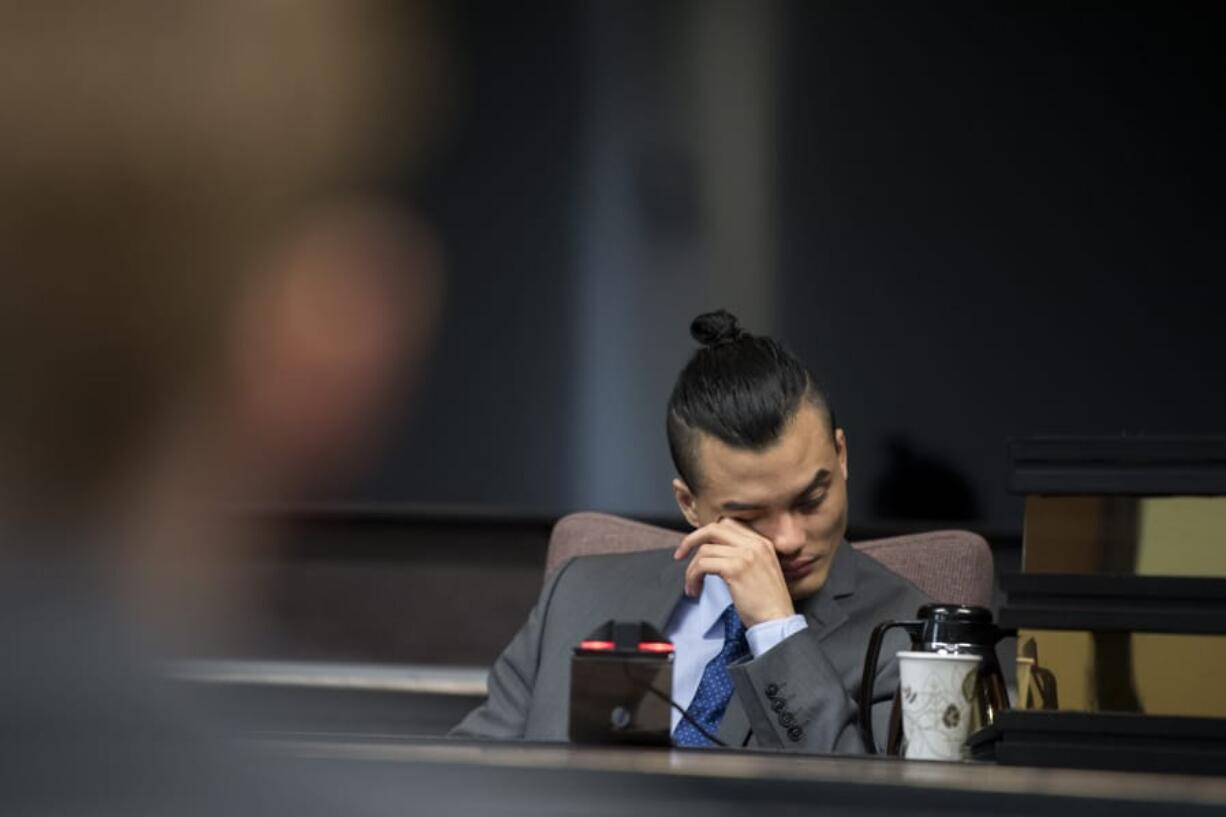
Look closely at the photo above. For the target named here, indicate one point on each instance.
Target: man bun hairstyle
(740, 388)
(716, 328)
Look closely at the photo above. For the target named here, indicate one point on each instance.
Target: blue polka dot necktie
(715, 688)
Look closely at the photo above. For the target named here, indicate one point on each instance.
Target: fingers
(746, 561)
(726, 531)
(706, 563)
(727, 561)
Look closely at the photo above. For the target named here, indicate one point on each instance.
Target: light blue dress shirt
(698, 636)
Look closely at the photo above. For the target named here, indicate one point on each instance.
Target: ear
(686, 502)
(840, 447)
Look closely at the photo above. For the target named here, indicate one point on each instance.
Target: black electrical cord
(685, 715)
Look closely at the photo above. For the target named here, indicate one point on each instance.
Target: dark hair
(740, 388)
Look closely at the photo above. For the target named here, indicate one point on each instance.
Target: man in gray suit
(770, 610)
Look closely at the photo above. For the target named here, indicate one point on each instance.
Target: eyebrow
(820, 480)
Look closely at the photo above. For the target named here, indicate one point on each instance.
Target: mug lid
(940, 656)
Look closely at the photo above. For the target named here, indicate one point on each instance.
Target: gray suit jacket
(814, 673)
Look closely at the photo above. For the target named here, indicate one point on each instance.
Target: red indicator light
(655, 646)
(596, 645)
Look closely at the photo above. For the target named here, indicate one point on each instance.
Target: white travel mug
(936, 690)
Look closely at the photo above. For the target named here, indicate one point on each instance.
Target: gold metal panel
(1122, 535)
(1151, 673)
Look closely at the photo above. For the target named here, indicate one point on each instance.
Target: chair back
(951, 566)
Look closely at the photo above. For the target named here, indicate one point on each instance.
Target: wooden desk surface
(650, 777)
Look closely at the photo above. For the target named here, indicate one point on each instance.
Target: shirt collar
(712, 603)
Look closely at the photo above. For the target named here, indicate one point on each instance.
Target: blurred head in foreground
(200, 306)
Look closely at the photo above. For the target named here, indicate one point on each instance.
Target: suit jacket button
(778, 704)
(772, 690)
(786, 719)
(794, 733)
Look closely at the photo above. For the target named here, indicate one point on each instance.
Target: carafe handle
(915, 630)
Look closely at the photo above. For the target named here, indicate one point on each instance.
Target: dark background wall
(1002, 219)
(493, 414)
(971, 220)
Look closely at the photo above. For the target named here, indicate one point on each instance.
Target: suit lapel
(654, 595)
(825, 608)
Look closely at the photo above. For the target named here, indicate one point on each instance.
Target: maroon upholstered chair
(953, 566)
